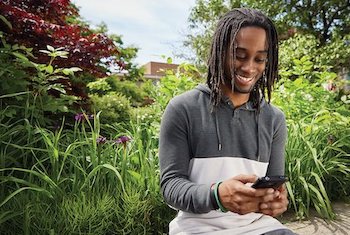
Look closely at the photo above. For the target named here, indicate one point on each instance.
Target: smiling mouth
(244, 79)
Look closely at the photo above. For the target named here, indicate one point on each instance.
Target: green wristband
(216, 194)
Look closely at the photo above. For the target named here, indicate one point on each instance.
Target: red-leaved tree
(38, 23)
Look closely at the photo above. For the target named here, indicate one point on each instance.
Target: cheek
(262, 68)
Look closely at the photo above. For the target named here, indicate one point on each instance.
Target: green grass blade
(23, 189)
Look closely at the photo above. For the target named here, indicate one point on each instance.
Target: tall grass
(318, 162)
(68, 182)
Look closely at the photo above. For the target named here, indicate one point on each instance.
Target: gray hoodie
(198, 147)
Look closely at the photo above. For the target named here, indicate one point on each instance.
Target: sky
(156, 27)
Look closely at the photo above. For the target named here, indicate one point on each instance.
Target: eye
(240, 57)
(261, 60)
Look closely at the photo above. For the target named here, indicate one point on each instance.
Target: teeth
(245, 78)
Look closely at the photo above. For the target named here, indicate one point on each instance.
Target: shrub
(333, 56)
(114, 107)
(37, 92)
(302, 91)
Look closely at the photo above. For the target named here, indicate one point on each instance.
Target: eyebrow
(262, 51)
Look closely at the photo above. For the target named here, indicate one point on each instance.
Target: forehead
(251, 38)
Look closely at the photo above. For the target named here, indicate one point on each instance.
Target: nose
(248, 67)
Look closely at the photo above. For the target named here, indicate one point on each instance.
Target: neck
(236, 98)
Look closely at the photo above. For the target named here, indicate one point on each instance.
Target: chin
(238, 89)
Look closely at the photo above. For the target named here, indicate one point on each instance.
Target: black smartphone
(270, 181)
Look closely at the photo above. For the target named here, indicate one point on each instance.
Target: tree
(323, 19)
(126, 55)
(42, 44)
(38, 23)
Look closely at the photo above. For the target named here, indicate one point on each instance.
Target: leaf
(49, 69)
(135, 175)
(50, 48)
(8, 215)
(20, 56)
(15, 94)
(22, 189)
(58, 88)
(6, 21)
(98, 168)
(45, 51)
(70, 71)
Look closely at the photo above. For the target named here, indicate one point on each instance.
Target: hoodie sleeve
(277, 159)
(174, 158)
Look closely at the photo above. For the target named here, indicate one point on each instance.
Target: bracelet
(212, 197)
(216, 194)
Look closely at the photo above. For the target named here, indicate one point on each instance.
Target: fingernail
(263, 206)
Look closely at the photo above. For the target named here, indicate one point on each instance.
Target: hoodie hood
(247, 106)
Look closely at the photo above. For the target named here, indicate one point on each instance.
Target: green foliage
(185, 78)
(326, 20)
(135, 92)
(131, 89)
(114, 107)
(34, 91)
(318, 162)
(317, 152)
(144, 115)
(89, 185)
(333, 56)
(99, 87)
(304, 85)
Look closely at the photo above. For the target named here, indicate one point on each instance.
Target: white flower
(309, 97)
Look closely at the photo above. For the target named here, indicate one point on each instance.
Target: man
(216, 140)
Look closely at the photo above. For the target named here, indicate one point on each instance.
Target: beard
(238, 89)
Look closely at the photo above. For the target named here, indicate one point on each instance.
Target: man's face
(251, 57)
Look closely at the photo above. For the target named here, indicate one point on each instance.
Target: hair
(224, 41)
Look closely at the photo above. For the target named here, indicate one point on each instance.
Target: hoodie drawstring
(217, 131)
(258, 133)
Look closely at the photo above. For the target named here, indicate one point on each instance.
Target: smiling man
(217, 139)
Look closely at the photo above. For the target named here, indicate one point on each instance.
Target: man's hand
(277, 205)
(240, 198)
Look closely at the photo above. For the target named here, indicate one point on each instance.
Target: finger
(275, 206)
(246, 178)
(244, 208)
(268, 197)
(282, 188)
(277, 212)
(263, 192)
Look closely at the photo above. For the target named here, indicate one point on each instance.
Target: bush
(135, 93)
(334, 55)
(307, 91)
(36, 92)
(114, 107)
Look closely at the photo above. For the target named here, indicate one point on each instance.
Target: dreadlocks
(223, 48)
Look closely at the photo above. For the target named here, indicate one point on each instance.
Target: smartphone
(270, 181)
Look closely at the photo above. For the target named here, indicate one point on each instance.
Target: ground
(315, 225)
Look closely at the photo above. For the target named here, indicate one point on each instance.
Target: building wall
(158, 68)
